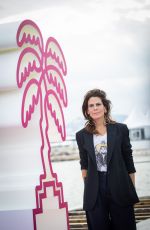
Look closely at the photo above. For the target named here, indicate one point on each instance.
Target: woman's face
(96, 108)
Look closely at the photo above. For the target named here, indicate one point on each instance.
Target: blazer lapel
(111, 134)
(89, 145)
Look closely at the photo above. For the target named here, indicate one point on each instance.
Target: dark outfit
(108, 196)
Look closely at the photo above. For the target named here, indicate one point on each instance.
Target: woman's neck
(100, 126)
(100, 123)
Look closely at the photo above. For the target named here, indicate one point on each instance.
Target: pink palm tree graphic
(41, 74)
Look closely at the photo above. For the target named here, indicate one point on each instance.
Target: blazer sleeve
(127, 150)
(82, 151)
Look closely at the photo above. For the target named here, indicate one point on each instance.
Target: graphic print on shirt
(101, 156)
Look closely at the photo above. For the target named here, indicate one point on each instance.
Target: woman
(107, 167)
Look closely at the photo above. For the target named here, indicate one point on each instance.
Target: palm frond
(29, 63)
(55, 78)
(30, 34)
(54, 55)
(54, 107)
(30, 100)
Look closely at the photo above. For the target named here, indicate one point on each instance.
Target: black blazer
(119, 166)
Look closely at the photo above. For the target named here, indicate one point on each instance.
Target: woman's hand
(132, 176)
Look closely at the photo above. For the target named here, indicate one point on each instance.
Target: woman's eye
(98, 104)
(91, 106)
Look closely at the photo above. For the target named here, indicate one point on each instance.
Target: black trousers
(106, 215)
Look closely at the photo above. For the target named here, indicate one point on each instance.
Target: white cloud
(106, 45)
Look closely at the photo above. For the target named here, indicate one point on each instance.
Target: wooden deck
(77, 218)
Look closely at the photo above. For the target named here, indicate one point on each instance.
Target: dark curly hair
(90, 125)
